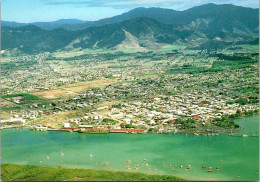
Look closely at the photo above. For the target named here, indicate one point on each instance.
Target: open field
(171, 47)
(57, 120)
(14, 172)
(72, 90)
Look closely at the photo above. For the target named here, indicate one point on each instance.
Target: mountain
(202, 25)
(214, 15)
(160, 14)
(12, 24)
(62, 23)
(32, 39)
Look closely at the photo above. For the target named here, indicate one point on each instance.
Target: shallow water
(236, 156)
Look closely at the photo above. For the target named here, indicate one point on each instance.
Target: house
(66, 125)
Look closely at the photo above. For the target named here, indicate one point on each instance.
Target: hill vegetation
(14, 172)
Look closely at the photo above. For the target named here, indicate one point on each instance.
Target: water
(236, 156)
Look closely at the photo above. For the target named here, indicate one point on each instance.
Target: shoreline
(217, 130)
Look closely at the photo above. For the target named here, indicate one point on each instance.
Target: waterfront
(236, 156)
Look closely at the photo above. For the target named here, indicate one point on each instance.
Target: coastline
(213, 131)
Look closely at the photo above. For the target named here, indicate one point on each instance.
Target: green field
(14, 172)
(171, 48)
(27, 97)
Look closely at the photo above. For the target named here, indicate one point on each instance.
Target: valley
(171, 89)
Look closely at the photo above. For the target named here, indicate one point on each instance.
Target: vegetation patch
(14, 172)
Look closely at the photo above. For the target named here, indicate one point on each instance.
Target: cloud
(127, 4)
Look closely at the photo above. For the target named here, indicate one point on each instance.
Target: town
(178, 91)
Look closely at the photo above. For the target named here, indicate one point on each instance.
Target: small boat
(209, 170)
(48, 157)
(144, 159)
(217, 168)
(203, 167)
(188, 166)
(181, 166)
(90, 155)
(173, 169)
(146, 164)
(62, 154)
(196, 134)
(128, 161)
(244, 135)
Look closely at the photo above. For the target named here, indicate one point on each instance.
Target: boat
(90, 155)
(210, 170)
(62, 154)
(244, 135)
(188, 166)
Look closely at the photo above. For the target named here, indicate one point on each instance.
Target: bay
(237, 157)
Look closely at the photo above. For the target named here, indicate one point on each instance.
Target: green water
(236, 156)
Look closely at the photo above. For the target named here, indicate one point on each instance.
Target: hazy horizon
(92, 10)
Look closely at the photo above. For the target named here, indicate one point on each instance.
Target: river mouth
(229, 158)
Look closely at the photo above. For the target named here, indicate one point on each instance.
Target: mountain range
(140, 27)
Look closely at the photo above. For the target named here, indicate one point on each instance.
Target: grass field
(171, 47)
(14, 172)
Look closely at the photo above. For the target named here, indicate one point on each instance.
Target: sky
(26, 11)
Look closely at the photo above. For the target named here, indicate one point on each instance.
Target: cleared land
(73, 89)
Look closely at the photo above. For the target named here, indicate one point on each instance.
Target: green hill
(14, 172)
